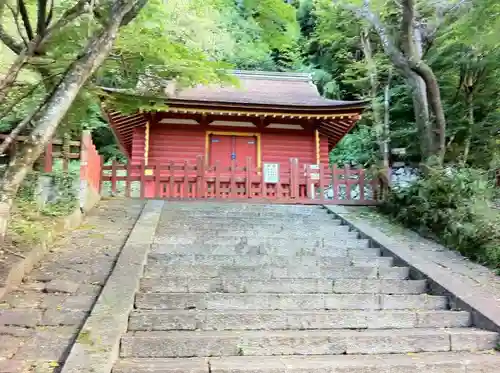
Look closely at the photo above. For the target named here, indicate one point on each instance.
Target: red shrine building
(270, 118)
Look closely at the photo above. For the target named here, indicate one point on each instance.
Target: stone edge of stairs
(463, 295)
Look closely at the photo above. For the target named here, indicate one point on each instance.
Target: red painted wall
(138, 145)
(178, 145)
(170, 143)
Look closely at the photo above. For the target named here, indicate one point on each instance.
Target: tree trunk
(386, 126)
(49, 116)
(374, 85)
(434, 96)
(470, 129)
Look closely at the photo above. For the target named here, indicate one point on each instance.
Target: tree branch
(26, 20)
(51, 13)
(9, 41)
(397, 58)
(67, 17)
(41, 23)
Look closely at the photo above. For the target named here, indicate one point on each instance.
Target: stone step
(311, 342)
(277, 260)
(266, 301)
(262, 229)
(251, 219)
(441, 362)
(256, 238)
(340, 248)
(242, 209)
(157, 269)
(253, 215)
(259, 224)
(300, 320)
(295, 286)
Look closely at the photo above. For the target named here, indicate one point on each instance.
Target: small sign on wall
(271, 172)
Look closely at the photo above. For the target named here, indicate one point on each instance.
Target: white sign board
(271, 173)
(314, 171)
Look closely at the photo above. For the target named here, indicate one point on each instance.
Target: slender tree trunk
(374, 86)
(386, 126)
(49, 116)
(470, 129)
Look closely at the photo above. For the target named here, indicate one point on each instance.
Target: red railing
(197, 181)
(64, 149)
(90, 162)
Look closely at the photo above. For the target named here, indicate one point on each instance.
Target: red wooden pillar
(171, 181)
(335, 182)
(186, 180)
(248, 185)
(142, 170)
(128, 179)
(201, 189)
(294, 178)
(321, 183)
(157, 180)
(232, 183)
(347, 179)
(217, 180)
(113, 177)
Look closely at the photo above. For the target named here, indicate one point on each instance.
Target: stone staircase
(256, 288)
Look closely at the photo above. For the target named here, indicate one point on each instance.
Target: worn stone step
(245, 210)
(266, 301)
(276, 260)
(282, 285)
(297, 247)
(261, 221)
(249, 216)
(157, 269)
(317, 231)
(311, 342)
(234, 224)
(257, 238)
(440, 362)
(289, 320)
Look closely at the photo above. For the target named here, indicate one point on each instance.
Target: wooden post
(201, 190)
(113, 177)
(263, 186)
(171, 180)
(294, 178)
(128, 179)
(142, 170)
(347, 180)
(47, 160)
(232, 183)
(186, 180)
(321, 183)
(217, 180)
(335, 182)
(157, 180)
(249, 177)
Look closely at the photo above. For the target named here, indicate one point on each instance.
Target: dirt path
(39, 321)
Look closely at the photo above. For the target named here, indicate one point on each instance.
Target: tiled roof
(261, 88)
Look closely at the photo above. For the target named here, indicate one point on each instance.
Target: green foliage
(454, 207)
(357, 148)
(63, 183)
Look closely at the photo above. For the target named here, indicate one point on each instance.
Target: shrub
(453, 206)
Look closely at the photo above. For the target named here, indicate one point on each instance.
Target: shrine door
(225, 148)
